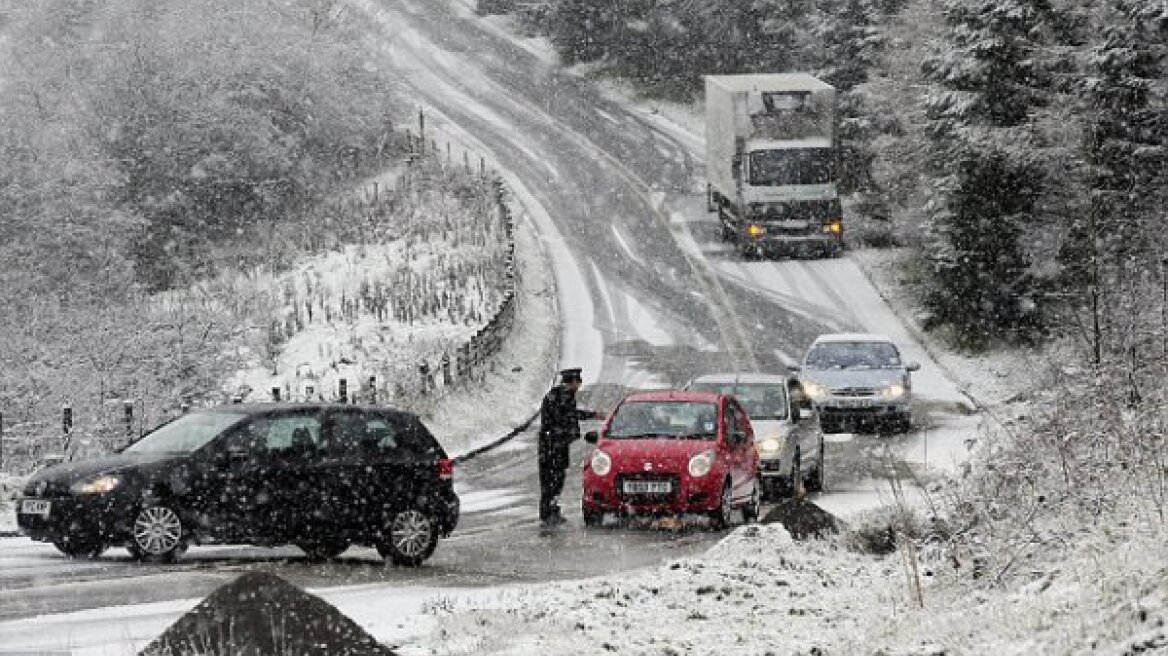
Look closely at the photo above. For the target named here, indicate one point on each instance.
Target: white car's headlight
(894, 391)
(601, 463)
(701, 464)
(814, 391)
(99, 485)
(770, 445)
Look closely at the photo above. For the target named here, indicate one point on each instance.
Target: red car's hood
(670, 455)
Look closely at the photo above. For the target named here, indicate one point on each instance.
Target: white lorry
(771, 163)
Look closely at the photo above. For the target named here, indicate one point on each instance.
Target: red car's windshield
(664, 419)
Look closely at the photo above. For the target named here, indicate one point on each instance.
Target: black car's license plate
(35, 507)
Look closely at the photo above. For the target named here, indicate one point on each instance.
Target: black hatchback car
(319, 476)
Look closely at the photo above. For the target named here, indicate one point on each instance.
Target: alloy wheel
(410, 533)
(157, 531)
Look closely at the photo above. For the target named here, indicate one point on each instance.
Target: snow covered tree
(982, 285)
(989, 77)
(989, 71)
(581, 30)
(850, 44)
(1116, 247)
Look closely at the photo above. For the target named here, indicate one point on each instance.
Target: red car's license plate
(648, 487)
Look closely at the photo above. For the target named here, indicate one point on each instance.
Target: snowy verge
(518, 376)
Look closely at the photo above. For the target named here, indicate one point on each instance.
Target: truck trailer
(771, 163)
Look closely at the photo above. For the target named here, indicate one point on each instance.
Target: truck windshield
(797, 166)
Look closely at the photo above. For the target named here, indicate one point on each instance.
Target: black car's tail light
(445, 469)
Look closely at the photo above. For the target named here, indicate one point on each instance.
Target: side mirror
(913, 366)
(738, 437)
(592, 437)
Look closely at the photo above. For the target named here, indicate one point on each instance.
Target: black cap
(569, 375)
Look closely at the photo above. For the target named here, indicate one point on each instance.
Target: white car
(858, 381)
(788, 449)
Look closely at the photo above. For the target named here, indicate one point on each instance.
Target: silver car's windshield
(853, 355)
(664, 420)
(185, 434)
(763, 401)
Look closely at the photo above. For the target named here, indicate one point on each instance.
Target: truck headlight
(893, 391)
(601, 463)
(701, 464)
(99, 485)
(833, 228)
(814, 391)
(771, 445)
(756, 230)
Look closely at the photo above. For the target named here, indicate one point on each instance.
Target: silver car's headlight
(770, 445)
(601, 463)
(99, 485)
(894, 391)
(814, 391)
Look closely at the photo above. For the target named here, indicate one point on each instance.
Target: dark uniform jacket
(559, 426)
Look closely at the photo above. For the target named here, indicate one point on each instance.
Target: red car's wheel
(720, 516)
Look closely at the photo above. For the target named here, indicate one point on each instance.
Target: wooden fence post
(128, 417)
(373, 390)
(344, 390)
(67, 428)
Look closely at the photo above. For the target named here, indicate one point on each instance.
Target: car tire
(322, 550)
(157, 534)
(751, 511)
(412, 538)
(592, 519)
(770, 489)
(720, 516)
(80, 547)
(816, 481)
(797, 486)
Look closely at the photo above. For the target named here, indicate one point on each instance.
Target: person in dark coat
(559, 426)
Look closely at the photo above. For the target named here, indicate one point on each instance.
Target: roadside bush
(1092, 459)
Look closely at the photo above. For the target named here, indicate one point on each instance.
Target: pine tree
(991, 73)
(989, 78)
(982, 282)
(581, 30)
(1117, 243)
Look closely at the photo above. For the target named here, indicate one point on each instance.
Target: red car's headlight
(701, 464)
(601, 463)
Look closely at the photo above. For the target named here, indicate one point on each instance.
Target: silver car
(789, 450)
(858, 382)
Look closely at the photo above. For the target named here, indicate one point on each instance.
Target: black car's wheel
(413, 536)
(157, 534)
(321, 550)
(750, 511)
(720, 516)
(80, 547)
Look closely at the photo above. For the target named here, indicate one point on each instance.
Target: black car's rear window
(387, 433)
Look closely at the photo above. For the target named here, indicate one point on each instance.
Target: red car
(673, 452)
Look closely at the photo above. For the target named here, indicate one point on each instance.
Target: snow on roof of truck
(770, 82)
